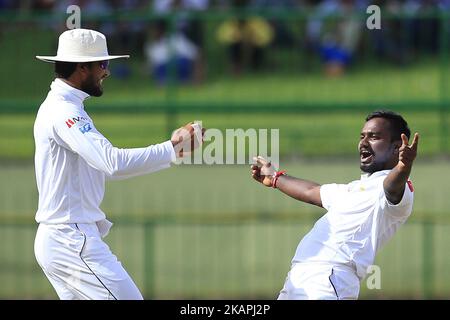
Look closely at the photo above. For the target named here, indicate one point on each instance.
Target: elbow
(314, 196)
(394, 197)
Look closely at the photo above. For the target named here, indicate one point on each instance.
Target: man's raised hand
(263, 171)
(407, 153)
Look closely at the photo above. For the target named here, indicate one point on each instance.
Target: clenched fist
(263, 171)
(187, 138)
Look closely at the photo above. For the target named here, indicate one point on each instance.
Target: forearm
(126, 163)
(303, 190)
(394, 184)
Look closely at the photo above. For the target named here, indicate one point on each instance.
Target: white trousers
(311, 281)
(80, 265)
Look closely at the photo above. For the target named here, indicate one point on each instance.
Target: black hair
(398, 124)
(65, 69)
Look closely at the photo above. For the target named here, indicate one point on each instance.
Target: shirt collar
(69, 92)
(365, 175)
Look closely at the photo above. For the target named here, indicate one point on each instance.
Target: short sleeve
(330, 192)
(404, 207)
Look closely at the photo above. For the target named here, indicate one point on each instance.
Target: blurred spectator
(246, 40)
(188, 24)
(170, 54)
(127, 35)
(338, 42)
(283, 36)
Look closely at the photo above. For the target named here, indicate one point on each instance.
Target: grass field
(230, 261)
(303, 135)
(211, 232)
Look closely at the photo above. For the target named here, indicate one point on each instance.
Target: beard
(91, 87)
(385, 161)
(372, 167)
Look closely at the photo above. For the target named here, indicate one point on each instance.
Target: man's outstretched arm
(303, 190)
(394, 184)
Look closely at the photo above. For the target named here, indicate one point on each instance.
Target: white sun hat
(81, 45)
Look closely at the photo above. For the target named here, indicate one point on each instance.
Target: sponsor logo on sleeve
(71, 121)
(85, 128)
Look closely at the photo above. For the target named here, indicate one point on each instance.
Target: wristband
(276, 176)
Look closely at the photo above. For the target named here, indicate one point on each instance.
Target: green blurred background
(209, 232)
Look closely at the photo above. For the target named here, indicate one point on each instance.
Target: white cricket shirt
(73, 159)
(359, 221)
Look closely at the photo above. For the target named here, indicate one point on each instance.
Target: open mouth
(366, 156)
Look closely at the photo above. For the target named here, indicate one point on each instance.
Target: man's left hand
(407, 153)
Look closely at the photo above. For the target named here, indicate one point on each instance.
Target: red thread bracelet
(276, 176)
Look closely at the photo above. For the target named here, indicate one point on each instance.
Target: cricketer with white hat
(72, 161)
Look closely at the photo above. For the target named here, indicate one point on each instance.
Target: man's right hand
(263, 171)
(187, 138)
